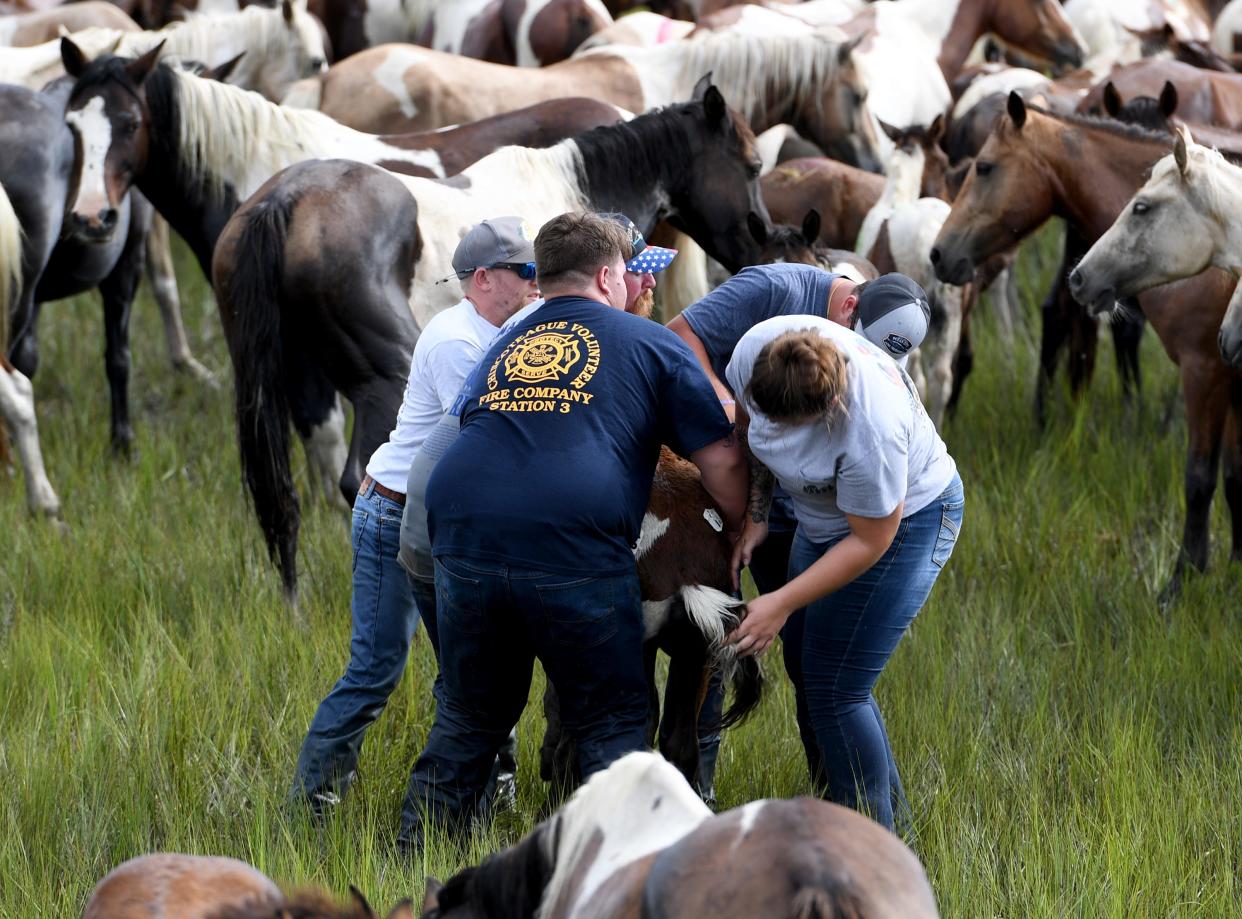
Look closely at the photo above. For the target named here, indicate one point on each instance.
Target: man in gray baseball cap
(893, 314)
(501, 242)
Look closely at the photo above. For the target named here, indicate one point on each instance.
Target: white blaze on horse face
(94, 131)
(390, 76)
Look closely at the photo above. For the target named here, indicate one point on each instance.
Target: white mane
(641, 803)
(749, 70)
(230, 136)
(1214, 181)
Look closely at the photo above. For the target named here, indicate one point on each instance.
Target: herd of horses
(925, 136)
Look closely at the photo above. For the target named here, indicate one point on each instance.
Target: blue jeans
(493, 620)
(384, 620)
(836, 648)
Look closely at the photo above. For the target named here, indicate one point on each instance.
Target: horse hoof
(200, 374)
(1171, 593)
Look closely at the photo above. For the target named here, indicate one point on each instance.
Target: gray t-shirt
(879, 450)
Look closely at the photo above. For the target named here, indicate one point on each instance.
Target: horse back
(690, 550)
(165, 885)
(842, 194)
(797, 858)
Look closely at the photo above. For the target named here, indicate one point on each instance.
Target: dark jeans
(836, 648)
(492, 621)
(384, 618)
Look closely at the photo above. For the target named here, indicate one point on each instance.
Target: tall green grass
(1069, 748)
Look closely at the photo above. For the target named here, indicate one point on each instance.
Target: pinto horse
(806, 81)
(693, 164)
(635, 840)
(1036, 165)
(166, 885)
(35, 28)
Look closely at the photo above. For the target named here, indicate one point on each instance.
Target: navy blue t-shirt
(560, 436)
(749, 297)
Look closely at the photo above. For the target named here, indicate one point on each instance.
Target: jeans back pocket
(950, 528)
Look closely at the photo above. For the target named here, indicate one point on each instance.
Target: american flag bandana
(651, 260)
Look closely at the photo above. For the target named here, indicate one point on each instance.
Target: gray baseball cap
(893, 314)
(497, 241)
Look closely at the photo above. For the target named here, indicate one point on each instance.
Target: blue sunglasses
(524, 270)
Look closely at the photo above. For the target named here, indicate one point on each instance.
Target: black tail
(747, 691)
(251, 296)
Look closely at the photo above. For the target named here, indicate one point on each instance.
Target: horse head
(1006, 194)
(1038, 27)
(288, 45)
(510, 883)
(1168, 230)
(837, 117)
(717, 186)
(917, 149)
(108, 116)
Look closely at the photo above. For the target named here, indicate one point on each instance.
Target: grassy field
(1069, 748)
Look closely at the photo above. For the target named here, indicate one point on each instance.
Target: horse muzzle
(1068, 56)
(95, 228)
(950, 267)
(1095, 297)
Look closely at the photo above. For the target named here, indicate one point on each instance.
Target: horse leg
(1127, 329)
(558, 757)
(963, 364)
(1207, 392)
(163, 280)
(1233, 466)
(315, 409)
(1055, 331)
(18, 411)
(118, 290)
(688, 672)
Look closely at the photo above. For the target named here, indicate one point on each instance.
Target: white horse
(1108, 26)
(897, 235)
(1187, 218)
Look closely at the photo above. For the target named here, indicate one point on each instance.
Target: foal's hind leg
(688, 673)
(1233, 466)
(320, 421)
(18, 411)
(118, 290)
(163, 280)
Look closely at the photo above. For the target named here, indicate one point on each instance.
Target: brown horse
(636, 841)
(1036, 165)
(166, 885)
(806, 81)
(841, 194)
(1205, 96)
(35, 28)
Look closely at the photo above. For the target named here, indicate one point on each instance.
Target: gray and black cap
(500, 240)
(893, 314)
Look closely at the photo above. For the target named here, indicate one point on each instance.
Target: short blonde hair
(798, 375)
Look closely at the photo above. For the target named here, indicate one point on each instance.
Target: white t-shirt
(447, 350)
(882, 449)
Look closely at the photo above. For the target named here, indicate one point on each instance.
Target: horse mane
(304, 904)
(647, 146)
(224, 131)
(200, 34)
(1124, 129)
(1208, 174)
(508, 884)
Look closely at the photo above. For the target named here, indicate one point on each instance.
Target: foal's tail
(716, 614)
(10, 264)
(250, 294)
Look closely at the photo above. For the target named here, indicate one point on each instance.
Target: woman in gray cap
(878, 503)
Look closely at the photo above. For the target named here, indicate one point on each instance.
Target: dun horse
(1036, 165)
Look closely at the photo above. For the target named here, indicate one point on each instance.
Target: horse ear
(758, 229)
(810, 227)
(221, 73)
(700, 88)
(431, 893)
(1017, 109)
(1112, 99)
(847, 48)
(935, 131)
(1181, 140)
(714, 105)
(893, 134)
(140, 68)
(286, 10)
(361, 902)
(72, 57)
(403, 910)
(1168, 99)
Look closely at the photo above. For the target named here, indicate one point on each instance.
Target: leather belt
(388, 493)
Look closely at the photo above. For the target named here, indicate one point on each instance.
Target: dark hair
(572, 247)
(860, 287)
(798, 375)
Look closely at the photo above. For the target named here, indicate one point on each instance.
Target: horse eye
(752, 170)
(1141, 207)
(983, 168)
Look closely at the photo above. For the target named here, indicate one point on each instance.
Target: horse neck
(255, 32)
(953, 26)
(1094, 170)
(1216, 191)
(903, 177)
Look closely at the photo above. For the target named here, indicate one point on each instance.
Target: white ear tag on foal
(712, 516)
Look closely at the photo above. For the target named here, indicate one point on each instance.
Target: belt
(380, 489)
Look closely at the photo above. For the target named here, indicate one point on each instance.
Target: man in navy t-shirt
(535, 509)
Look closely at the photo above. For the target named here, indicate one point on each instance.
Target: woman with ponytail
(878, 503)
